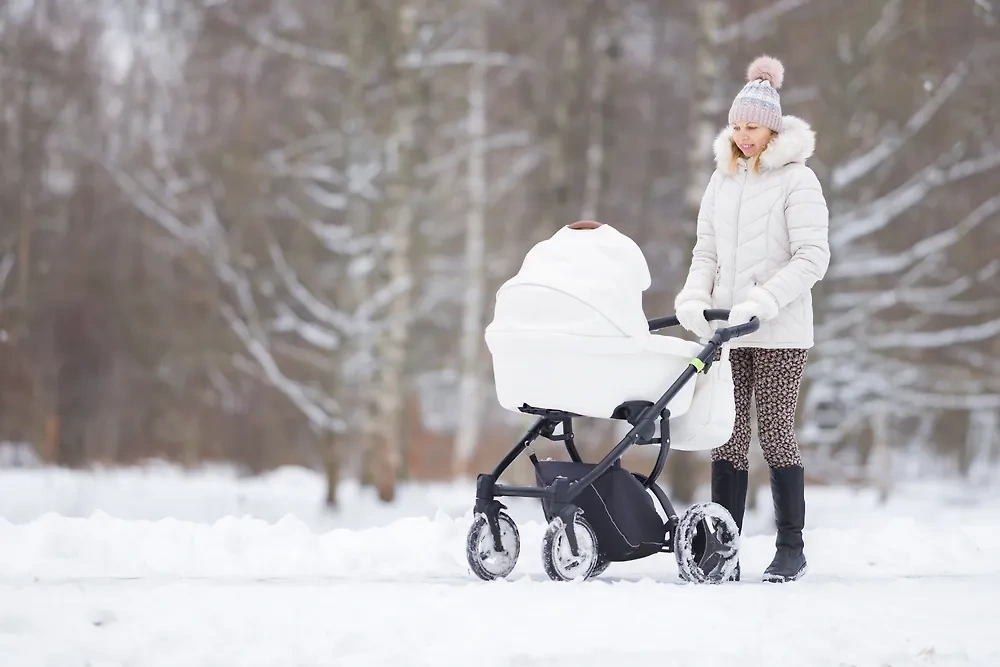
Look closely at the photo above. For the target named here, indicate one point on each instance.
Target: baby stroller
(569, 339)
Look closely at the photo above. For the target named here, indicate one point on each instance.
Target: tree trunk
(880, 458)
(401, 190)
(598, 146)
(560, 132)
(331, 466)
(683, 472)
(356, 291)
(470, 387)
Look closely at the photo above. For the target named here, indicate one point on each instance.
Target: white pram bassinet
(569, 332)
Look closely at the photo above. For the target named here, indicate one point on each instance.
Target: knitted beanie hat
(759, 101)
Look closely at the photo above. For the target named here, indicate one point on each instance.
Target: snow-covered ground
(153, 566)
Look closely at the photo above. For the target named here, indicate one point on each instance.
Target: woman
(761, 246)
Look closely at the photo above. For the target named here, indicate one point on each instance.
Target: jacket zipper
(736, 246)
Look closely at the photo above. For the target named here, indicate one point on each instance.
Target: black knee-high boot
(788, 492)
(729, 489)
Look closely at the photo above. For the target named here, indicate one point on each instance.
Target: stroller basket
(616, 505)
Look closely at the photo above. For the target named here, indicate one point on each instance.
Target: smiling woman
(762, 245)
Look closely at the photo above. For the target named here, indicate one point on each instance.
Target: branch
(957, 309)
(154, 210)
(209, 239)
(506, 181)
(268, 372)
(319, 172)
(344, 240)
(6, 265)
(311, 145)
(332, 201)
(760, 21)
(315, 56)
(872, 217)
(316, 307)
(861, 306)
(865, 305)
(317, 336)
(859, 167)
(892, 11)
(882, 265)
(931, 339)
(382, 298)
(901, 383)
(455, 158)
(415, 60)
(938, 401)
(465, 57)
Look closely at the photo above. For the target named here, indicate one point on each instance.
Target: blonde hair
(735, 154)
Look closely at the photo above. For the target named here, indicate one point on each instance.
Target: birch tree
(707, 83)
(470, 390)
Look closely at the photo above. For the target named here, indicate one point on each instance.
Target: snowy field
(155, 567)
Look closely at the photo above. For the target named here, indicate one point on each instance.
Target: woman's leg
(730, 461)
(736, 450)
(777, 378)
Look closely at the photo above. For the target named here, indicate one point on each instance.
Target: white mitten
(691, 315)
(758, 304)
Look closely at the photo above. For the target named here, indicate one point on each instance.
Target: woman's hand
(758, 304)
(691, 315)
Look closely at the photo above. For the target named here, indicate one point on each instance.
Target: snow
(155, 566)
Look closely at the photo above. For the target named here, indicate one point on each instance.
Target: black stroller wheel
(485, 560)
(706, 544)
(557, 557)
(599, 567)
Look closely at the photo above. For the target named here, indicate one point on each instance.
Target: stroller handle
(725, 334)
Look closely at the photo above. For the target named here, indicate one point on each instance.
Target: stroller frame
(560, 494)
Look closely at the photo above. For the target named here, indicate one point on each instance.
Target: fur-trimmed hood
(795, 143)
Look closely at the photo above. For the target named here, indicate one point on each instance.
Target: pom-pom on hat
(759, 101)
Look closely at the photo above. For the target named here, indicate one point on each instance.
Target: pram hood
(569, 331)
(585, 280)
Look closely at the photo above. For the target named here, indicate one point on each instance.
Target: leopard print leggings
(773, 377)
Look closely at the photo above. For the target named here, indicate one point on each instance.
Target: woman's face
(750, 138)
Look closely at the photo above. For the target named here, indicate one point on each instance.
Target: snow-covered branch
(892, 11)
(853, 224)
(343, 240)
(863, 267)
(298, 51)
(464, 57)
(957, 335)
(504, 183)
(940, 401)
(758, 22)
(454, 159)
(6, 265)
(860, 306)
(412, 60)
(318, 412)
(357, 324)
(314, 171)
(317, 308)
(318, 336)
(208, 237)
(860, 166)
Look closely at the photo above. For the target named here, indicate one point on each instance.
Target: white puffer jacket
(763, 237)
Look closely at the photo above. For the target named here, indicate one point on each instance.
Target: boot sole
(776, 579)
